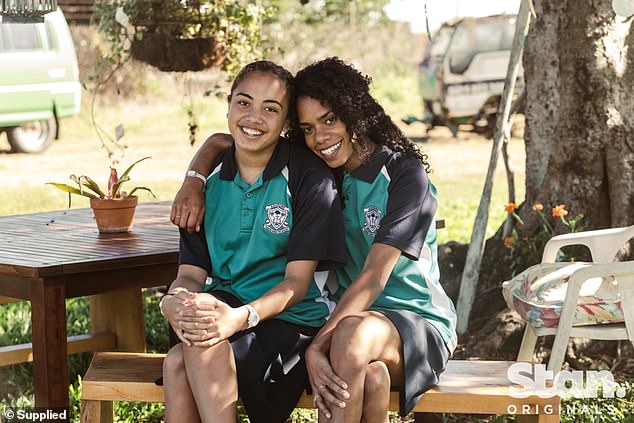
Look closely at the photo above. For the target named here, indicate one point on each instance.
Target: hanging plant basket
(180, 35)
(176, 54)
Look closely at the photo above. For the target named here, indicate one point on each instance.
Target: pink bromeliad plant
(87, 187)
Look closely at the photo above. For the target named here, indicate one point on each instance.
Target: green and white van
(39, 81)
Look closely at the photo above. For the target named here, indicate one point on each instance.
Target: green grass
(460, 215)
(16, 390)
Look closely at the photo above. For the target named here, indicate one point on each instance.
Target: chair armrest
(603, 243)
(616, 269)
(623, 271)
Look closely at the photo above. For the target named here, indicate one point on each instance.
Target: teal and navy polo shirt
(291, 212)
(390, 200)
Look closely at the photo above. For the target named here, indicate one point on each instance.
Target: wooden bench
(470, 387)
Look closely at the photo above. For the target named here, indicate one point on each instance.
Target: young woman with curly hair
(393, 325)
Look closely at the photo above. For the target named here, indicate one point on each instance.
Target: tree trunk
(579, 134)
(542, 91)
(579, 70)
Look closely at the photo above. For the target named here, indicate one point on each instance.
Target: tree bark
(579, 70)
(541, 64)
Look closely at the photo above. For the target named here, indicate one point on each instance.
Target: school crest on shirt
(277, 215)
(372, 220)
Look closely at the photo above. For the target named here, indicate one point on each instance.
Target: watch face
(254, 317)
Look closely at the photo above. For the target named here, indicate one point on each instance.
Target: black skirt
(270, 365)
(425, 356)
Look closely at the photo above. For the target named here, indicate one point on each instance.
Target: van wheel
(485, 126)
(32, 137)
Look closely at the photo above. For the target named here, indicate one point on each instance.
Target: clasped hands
(329, 390)
(200, 319)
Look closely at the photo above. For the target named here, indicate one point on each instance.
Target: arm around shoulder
(188, 208)
(208, 153)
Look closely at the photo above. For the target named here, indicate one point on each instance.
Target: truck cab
(461, 77)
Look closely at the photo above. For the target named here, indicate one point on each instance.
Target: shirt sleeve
(317, 232)
(411, 208)
(193, 249)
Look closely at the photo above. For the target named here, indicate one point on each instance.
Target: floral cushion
(538, 293)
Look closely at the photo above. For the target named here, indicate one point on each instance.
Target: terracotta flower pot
(114, 215)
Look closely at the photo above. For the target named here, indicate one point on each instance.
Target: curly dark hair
(346, 91)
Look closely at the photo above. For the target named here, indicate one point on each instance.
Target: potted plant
(114, 208)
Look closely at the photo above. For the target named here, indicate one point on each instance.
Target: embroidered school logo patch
(372, 220)
(276, 222)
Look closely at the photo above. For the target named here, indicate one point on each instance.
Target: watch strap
(253, 317)
(192, 173)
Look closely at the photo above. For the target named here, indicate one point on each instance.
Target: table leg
(50, 363)
(120, 312)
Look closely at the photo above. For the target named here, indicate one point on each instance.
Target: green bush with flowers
(527, 248)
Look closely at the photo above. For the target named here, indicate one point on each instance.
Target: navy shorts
(425, 356)
(270, 365)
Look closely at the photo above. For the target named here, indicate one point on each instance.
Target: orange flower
(510, 207)
(507, 241)
(560, 211)
(538, 207)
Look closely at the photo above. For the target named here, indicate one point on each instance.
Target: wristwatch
(253, 318)
(192, 173)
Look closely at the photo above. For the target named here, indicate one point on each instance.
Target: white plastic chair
(603, 245)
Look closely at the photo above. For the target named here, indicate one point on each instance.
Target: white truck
(462, 74)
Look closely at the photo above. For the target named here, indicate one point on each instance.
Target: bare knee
(349, 342)
(197, 357)
(377, 378)
(174, 363)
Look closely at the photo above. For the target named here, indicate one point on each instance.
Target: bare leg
(212, 377)
(357, 341)
(179, 400)
(376, 394)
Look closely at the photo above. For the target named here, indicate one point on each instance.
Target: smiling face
(258, 109)
(326, 135)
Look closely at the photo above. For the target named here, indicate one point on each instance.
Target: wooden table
(48, 257)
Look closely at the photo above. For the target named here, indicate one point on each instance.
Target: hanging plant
(182, 35)
(174, 36)
(176, 54)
